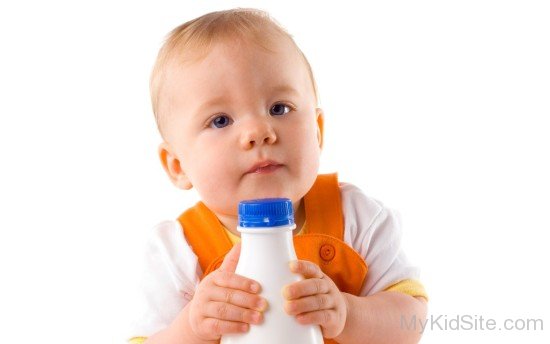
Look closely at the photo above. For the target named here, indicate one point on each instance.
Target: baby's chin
(270, 191)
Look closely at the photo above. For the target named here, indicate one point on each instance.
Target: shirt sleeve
(374, 231)
(409, 287)
(170, 270)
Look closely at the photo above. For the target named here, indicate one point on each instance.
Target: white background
(437, 108)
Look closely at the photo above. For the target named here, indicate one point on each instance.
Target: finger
(220, 327)
(309, 304)
(238, 298)
(231, 259)
(307, 287)
(323, 317)
(229, 312)
(306, 268)
(228, 279)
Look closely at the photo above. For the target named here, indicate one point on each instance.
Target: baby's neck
(231, 222)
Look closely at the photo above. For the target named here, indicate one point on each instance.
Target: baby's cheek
(215, 187)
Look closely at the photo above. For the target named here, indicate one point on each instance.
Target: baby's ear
(320, 126)
(172, 167)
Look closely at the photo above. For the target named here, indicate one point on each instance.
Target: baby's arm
(179, 331)
(224, 302)
(380, 312)
(384, 317)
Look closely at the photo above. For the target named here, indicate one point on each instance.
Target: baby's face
(243, 124)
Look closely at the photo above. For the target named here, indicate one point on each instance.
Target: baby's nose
(257, 132)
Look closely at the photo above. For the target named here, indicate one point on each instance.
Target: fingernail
(286, 292)
(261, 305)
(289, 307)
(256, 317)
(254, 288)
(293, 265)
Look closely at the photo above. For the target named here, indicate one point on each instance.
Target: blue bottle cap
(267, 212)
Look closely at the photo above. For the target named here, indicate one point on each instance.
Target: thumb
(231, 259)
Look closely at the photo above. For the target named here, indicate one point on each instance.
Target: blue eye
(279, 109)
(220, 122)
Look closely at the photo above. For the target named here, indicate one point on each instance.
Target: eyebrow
(221, 99)
(284, 89)
(211, 102)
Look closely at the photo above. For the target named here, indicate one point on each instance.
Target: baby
(236, 105)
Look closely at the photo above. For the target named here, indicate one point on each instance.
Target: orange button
(327, 252)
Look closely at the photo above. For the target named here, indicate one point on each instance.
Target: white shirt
(172, 269)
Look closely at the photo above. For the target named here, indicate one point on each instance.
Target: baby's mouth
(265, 167)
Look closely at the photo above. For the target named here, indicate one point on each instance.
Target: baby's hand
(225, 302)
(316, 299)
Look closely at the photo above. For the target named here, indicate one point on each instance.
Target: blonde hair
(192, 41)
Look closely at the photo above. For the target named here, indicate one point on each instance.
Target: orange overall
(321, 242)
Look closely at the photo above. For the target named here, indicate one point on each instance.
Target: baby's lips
(263, 164)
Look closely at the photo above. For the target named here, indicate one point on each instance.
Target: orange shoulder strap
(323, 207)
(205, 234)
(323, 240)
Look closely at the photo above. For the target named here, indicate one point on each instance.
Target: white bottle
(266, 249)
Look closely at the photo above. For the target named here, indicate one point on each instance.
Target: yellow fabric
(410, 287)
(137, 340)
(234, 239)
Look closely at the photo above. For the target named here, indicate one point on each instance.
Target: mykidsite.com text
(470, 323)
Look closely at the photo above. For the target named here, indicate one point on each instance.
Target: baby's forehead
(227, 79)
(243, 45)
(270, 61)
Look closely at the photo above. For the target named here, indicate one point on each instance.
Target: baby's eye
(220, 122)
(279, 109)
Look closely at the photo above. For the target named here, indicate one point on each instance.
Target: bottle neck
(266, 230)
(267, 243)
